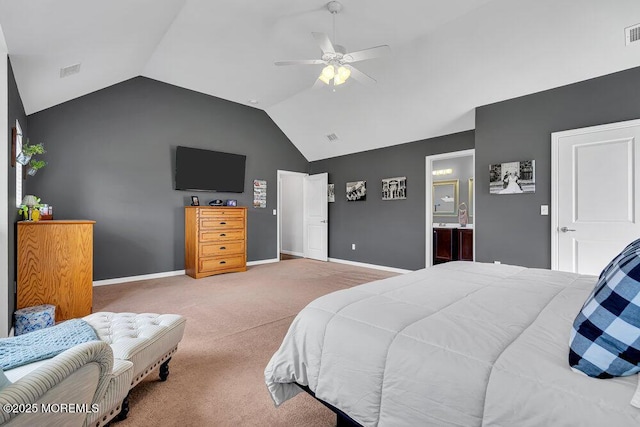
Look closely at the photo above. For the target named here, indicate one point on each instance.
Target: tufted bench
(148, 340)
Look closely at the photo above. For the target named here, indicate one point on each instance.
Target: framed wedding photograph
(513, 177)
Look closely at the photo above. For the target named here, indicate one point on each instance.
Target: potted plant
(34, 165)
(29, 203)
(29, 151)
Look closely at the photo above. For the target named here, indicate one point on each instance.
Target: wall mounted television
(207, 170)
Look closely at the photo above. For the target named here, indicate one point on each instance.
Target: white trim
(429, 200)
(119, 280)
(279, 174)
(555, 174)
(7, 282)
(262, 261)
(374, 266)
(293, 253)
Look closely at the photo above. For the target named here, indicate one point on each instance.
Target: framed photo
(394, 188)
(513, 177)
(331, 193)
(356, 190)
(195, 201)
(231, 202)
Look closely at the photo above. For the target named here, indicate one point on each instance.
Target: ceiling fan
(336, 59)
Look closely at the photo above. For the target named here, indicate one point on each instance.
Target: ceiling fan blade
(318, 84)
(301, 62)
(360, 76)
(362, 55)
(325, 44)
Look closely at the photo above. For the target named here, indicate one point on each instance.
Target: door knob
(324, 221)
(565, 229)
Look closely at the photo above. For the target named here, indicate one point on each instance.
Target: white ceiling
(447, 57)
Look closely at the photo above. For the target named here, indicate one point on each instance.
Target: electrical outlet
(497, 262)
(353, 246)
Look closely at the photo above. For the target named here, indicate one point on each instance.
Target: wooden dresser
(55, 266)
(215, 240)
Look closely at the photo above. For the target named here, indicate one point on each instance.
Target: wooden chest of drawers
(215, 240)
(55, 266)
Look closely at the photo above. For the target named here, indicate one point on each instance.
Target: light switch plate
(544, 209)
(274, 212)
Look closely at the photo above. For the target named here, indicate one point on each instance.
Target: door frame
(280, 174)
(555, 173)
(429, 199)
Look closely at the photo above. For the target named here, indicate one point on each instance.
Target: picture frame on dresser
(195, 201)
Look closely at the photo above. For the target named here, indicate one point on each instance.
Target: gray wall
(391, 232)
(463, 169)
(509, 228)
(16, 112)
(111, 156)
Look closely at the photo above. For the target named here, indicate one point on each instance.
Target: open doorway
(450, 207)
(290, 215)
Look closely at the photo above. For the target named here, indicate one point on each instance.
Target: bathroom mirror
(445, 198)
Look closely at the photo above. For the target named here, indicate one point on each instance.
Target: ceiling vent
(332, 137)
(71, 69)
(632, 34)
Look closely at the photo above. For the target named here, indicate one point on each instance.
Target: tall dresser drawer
(222, 249)
(221, 223)
(221, 235)
(221, 263)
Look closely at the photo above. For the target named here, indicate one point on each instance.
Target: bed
(459, 344)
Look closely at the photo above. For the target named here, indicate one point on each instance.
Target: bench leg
(164, 370)
(124, 411)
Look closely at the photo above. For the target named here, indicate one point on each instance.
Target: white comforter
(462, 344)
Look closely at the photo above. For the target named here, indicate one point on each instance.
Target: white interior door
(315, 216)
(596, 195)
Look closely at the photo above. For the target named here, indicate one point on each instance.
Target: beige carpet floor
(235, 322)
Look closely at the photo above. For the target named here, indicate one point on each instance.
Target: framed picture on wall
(513, 177)
(331, 193)
(394, 188)
(356, 190)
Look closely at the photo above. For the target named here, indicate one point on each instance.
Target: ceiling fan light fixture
(329, 72)
(324, 79)
(344, 73)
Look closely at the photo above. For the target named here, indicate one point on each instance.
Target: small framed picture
(195, 201)
(231, 202)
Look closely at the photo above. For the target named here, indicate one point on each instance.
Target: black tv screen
(206, 170)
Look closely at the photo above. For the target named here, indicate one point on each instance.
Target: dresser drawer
(220, 223)
(224, 213)
(221, 263)
(221, 249)
(221, 235)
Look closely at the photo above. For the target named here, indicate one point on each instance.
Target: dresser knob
(222, 248)
(223, 262)
(222, 234)
(222, 223)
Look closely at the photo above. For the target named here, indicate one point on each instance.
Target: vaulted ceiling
(448, 57)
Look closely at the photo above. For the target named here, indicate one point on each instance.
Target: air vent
(632, 34)
(71, 69)
(332, 137)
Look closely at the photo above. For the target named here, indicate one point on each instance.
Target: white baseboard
(299, 254)
(138, 278)
(262, 261)
(375, 266)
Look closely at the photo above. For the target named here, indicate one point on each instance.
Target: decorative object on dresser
(215, 240)
(195, 201)
(55, 266)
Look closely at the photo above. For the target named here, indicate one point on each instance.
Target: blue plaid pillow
(605, 338)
